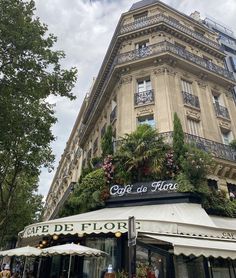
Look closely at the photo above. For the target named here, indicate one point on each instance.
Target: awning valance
(199, 247)
(152, 218)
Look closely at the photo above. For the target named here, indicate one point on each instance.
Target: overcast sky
(84, 29)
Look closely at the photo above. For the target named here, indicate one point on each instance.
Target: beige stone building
(159, 61)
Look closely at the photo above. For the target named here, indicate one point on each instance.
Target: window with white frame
(227, 137)
(144, 85)
(148, 119)
(194, 127)
(187, 86)
(144, 93)
(141, 45)
(217, 98)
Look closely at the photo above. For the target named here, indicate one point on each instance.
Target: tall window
(144, 85)
(149, 119)
(226, 137)
(194, 127)
(144, 93)
(187, 86)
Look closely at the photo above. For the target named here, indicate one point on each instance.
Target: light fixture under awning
(199, 247)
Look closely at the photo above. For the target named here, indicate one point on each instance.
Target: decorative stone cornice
(201, 84)
(125, 79)
(225, 125)
(193, 115)
(144, 111)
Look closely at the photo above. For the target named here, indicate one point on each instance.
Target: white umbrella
(26, 251)
(72, 249)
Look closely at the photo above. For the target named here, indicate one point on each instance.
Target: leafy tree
(30, 72)
(178, 140)
(142, 152)
(27, 208)
(107, 144)
(88, 195)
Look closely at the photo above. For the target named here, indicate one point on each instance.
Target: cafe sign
(143, 188)
(79, 227)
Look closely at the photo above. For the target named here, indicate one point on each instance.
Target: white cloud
(84, 30)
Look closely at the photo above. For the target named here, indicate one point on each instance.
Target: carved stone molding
(159, 71)
(228, 93)
(163, 70)
(154, 10)
(216, 88)
(144, 111)
(203, 76)
(201, 84)
(186, 75)
(225, 125)
(142, 73)
(193, 115)
(125, 79)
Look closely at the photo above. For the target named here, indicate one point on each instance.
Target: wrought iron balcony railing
(172, 22)
(191, 99)
(146, 97)
(165, 46)
(221, 111)
(216, 149)
(113, 115)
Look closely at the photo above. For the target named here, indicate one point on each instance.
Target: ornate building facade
(159, 61)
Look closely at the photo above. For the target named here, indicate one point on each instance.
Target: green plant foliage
(178, 140)
(196, 164)
(107, 144)
(121, 175)
(30, 72)
(217, 203)
(233, 144)
(142, 152)
(122, 274)
(88, 195)
(184, 183)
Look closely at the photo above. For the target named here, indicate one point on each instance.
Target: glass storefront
(152, 261)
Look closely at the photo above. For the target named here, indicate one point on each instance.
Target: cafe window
(149, 120)
(150, 262)
(221, 268)
(186, 267)
(94, 267)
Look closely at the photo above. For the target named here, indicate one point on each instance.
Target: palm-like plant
(142, 152)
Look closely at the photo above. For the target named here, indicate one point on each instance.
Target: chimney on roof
(196, 16)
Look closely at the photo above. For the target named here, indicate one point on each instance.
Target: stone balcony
(145, 97)
(167, 47)
(169, 21)
(191, 100)
(221, 111)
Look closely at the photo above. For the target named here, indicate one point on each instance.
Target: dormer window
(139, 16)
(141, 45)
